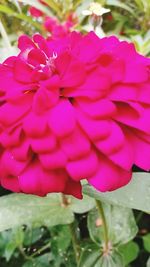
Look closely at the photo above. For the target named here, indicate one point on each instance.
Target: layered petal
(35, 180)
(109, 176)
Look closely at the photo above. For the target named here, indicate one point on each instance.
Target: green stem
(75, 244)
(39, 251)
(72, 228)
(54, 6)
(64, 200)
(16, 3)
(26, 257)
(103, 218)
(5, 36)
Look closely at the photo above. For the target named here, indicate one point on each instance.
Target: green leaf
(8, 11)
(41, 261)
(148, 263)
(146, 241)
(18, 236)
(4, 239)
(9, 250)
(135, 195)
(129, 252)
(81, 206)
(17, 5)
(140, 4)
(9, 241)
(96, 258)
(32, 235)
(54, 6)
(90, 256)
(143, 5)
(60, 243)
(95, 226)
(19, 209)
(111, 260)
(5, 37)
(120, 222)
(61, 237)
(28, 264)
(142, 43)
(118, 3)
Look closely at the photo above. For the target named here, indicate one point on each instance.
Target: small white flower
(95, 9)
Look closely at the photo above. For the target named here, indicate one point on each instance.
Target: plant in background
(95, 12)
(142, 43)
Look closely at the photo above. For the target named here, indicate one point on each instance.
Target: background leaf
(120, 222)
(82, 206)
(41, 261)
(135, 195)
(129, 252)
(112, 260)
(9, 11)
(120, 4)
(148, 263)
(97, 259)
(18, 209)
(89, 259)
(146, 241)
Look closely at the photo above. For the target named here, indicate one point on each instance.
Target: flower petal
(64, 115)
(76, 144)
(53, 160)
(73, 188)
(109, 176)
(83, 167)
(35, 180)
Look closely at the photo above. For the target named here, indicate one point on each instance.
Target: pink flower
(72, 108)
(36, 12)
(57, 29)
(72, 19)
(52, 25)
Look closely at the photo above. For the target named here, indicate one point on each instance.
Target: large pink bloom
(72, 108)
